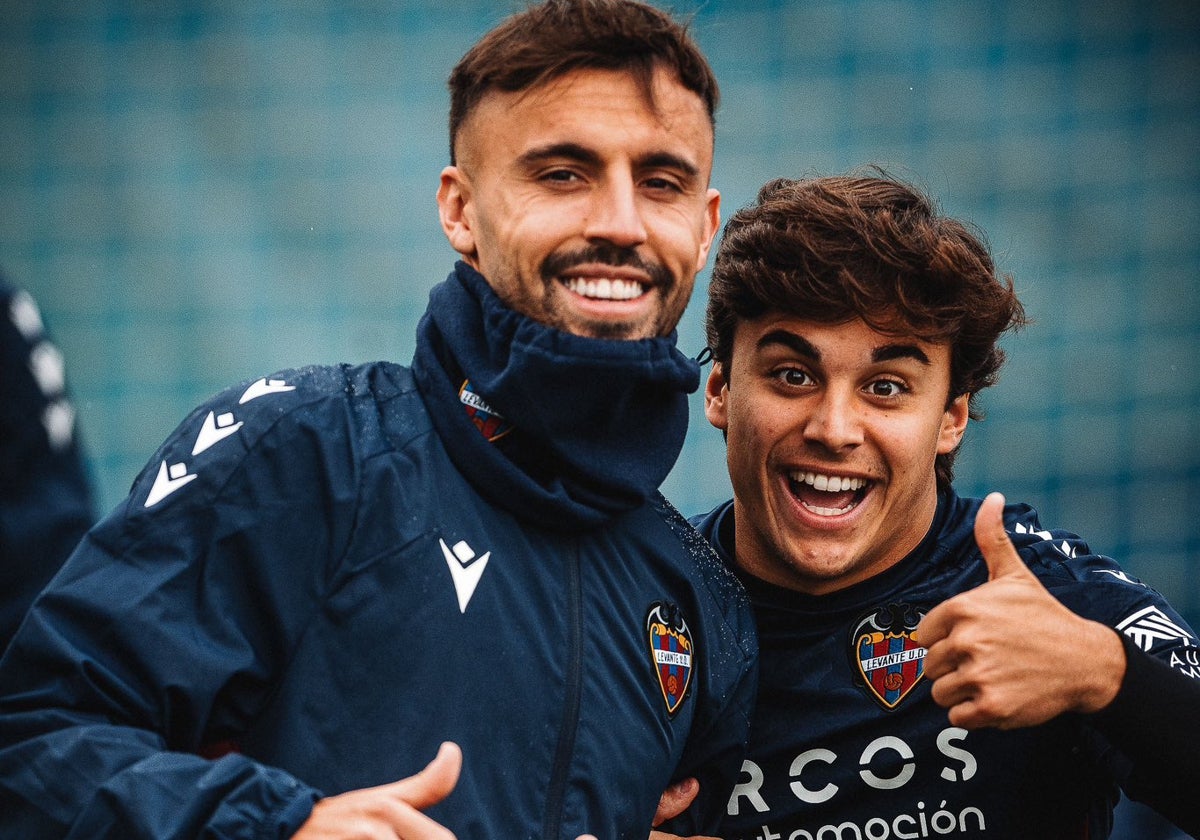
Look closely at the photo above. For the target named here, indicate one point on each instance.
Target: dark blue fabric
(277, 612)
(598, 423)
(45, 494)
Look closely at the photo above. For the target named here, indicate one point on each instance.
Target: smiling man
(852, 327)
(329, 575)
(586, 203)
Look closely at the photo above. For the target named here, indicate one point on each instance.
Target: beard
(662, 282)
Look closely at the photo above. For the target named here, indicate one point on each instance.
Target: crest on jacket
(671, 651)
(884, 649)
(489, 421)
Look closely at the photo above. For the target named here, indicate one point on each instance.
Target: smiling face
(832, 431)
(585, 206)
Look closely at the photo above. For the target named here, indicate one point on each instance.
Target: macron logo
(465, 568)
(263, 387)
(169, 480)
(215, 429)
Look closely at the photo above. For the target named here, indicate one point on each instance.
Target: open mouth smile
(605, 288)
(827, 495)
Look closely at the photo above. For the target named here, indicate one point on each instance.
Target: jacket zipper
(552, 823)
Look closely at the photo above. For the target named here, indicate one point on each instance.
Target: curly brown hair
(866, 246)
(555, 37)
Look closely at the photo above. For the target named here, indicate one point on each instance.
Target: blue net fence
(203, 192)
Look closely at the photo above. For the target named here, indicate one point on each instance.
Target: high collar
(597, 423)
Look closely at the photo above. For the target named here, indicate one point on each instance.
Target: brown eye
(886, 388)
(794, 376)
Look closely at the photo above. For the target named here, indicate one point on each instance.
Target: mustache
(604, 253)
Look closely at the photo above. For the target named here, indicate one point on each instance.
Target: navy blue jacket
(45, 494)
(847, 741)
(304, 595)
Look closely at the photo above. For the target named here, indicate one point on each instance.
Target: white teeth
(605, 288)
(824, 511)
(828, 483)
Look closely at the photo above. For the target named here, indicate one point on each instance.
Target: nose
(615, 215)
(834, 422)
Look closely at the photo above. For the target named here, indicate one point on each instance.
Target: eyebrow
(889, 352)
(584, 155)
(803, 347)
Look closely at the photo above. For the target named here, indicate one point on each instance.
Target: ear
(453, 199)
(712, 223)
(716, 395)
(954, 423)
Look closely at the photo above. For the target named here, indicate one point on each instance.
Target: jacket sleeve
(45, 496)
(717, 743)
(162, 637)
(1153, 723)
(720, 764)
(1148, 737)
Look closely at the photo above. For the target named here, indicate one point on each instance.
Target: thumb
(434, 783)
(997, 549)
(676, 799)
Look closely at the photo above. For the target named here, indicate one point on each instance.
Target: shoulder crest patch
(886, 653)
(671, 652)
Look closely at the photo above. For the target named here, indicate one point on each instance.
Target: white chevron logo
(1022, 528)
(214, 430)
(263, 387)
(24, 313)
(1120, 575)
(1146, 626)
(169, 480)
(465, 568)
(59, 421)
(47, 366)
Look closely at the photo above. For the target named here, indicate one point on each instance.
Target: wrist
(1106, 668)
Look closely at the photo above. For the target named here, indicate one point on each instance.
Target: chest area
(832, 745)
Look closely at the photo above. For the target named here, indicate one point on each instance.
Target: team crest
(489, 421)
(885, 650)
(671, 651)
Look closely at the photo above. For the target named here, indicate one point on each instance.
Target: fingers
(435, 782)
(939, 659)
(389, 811)
(934, 627)
(676, 799)
(997, 549)
(1002, 562)
(407, 824)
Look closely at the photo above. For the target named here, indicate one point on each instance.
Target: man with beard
(327, 575)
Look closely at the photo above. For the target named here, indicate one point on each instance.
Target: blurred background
(199, 193)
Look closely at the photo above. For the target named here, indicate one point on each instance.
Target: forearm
(121, 784)
(1153, 721)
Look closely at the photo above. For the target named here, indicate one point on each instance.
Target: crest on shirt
(884, 649)
(671, 651)
(489, 421)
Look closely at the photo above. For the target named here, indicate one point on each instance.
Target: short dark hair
(872, 247)
(550, 39)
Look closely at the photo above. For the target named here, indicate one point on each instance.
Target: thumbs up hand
(1007, 653)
